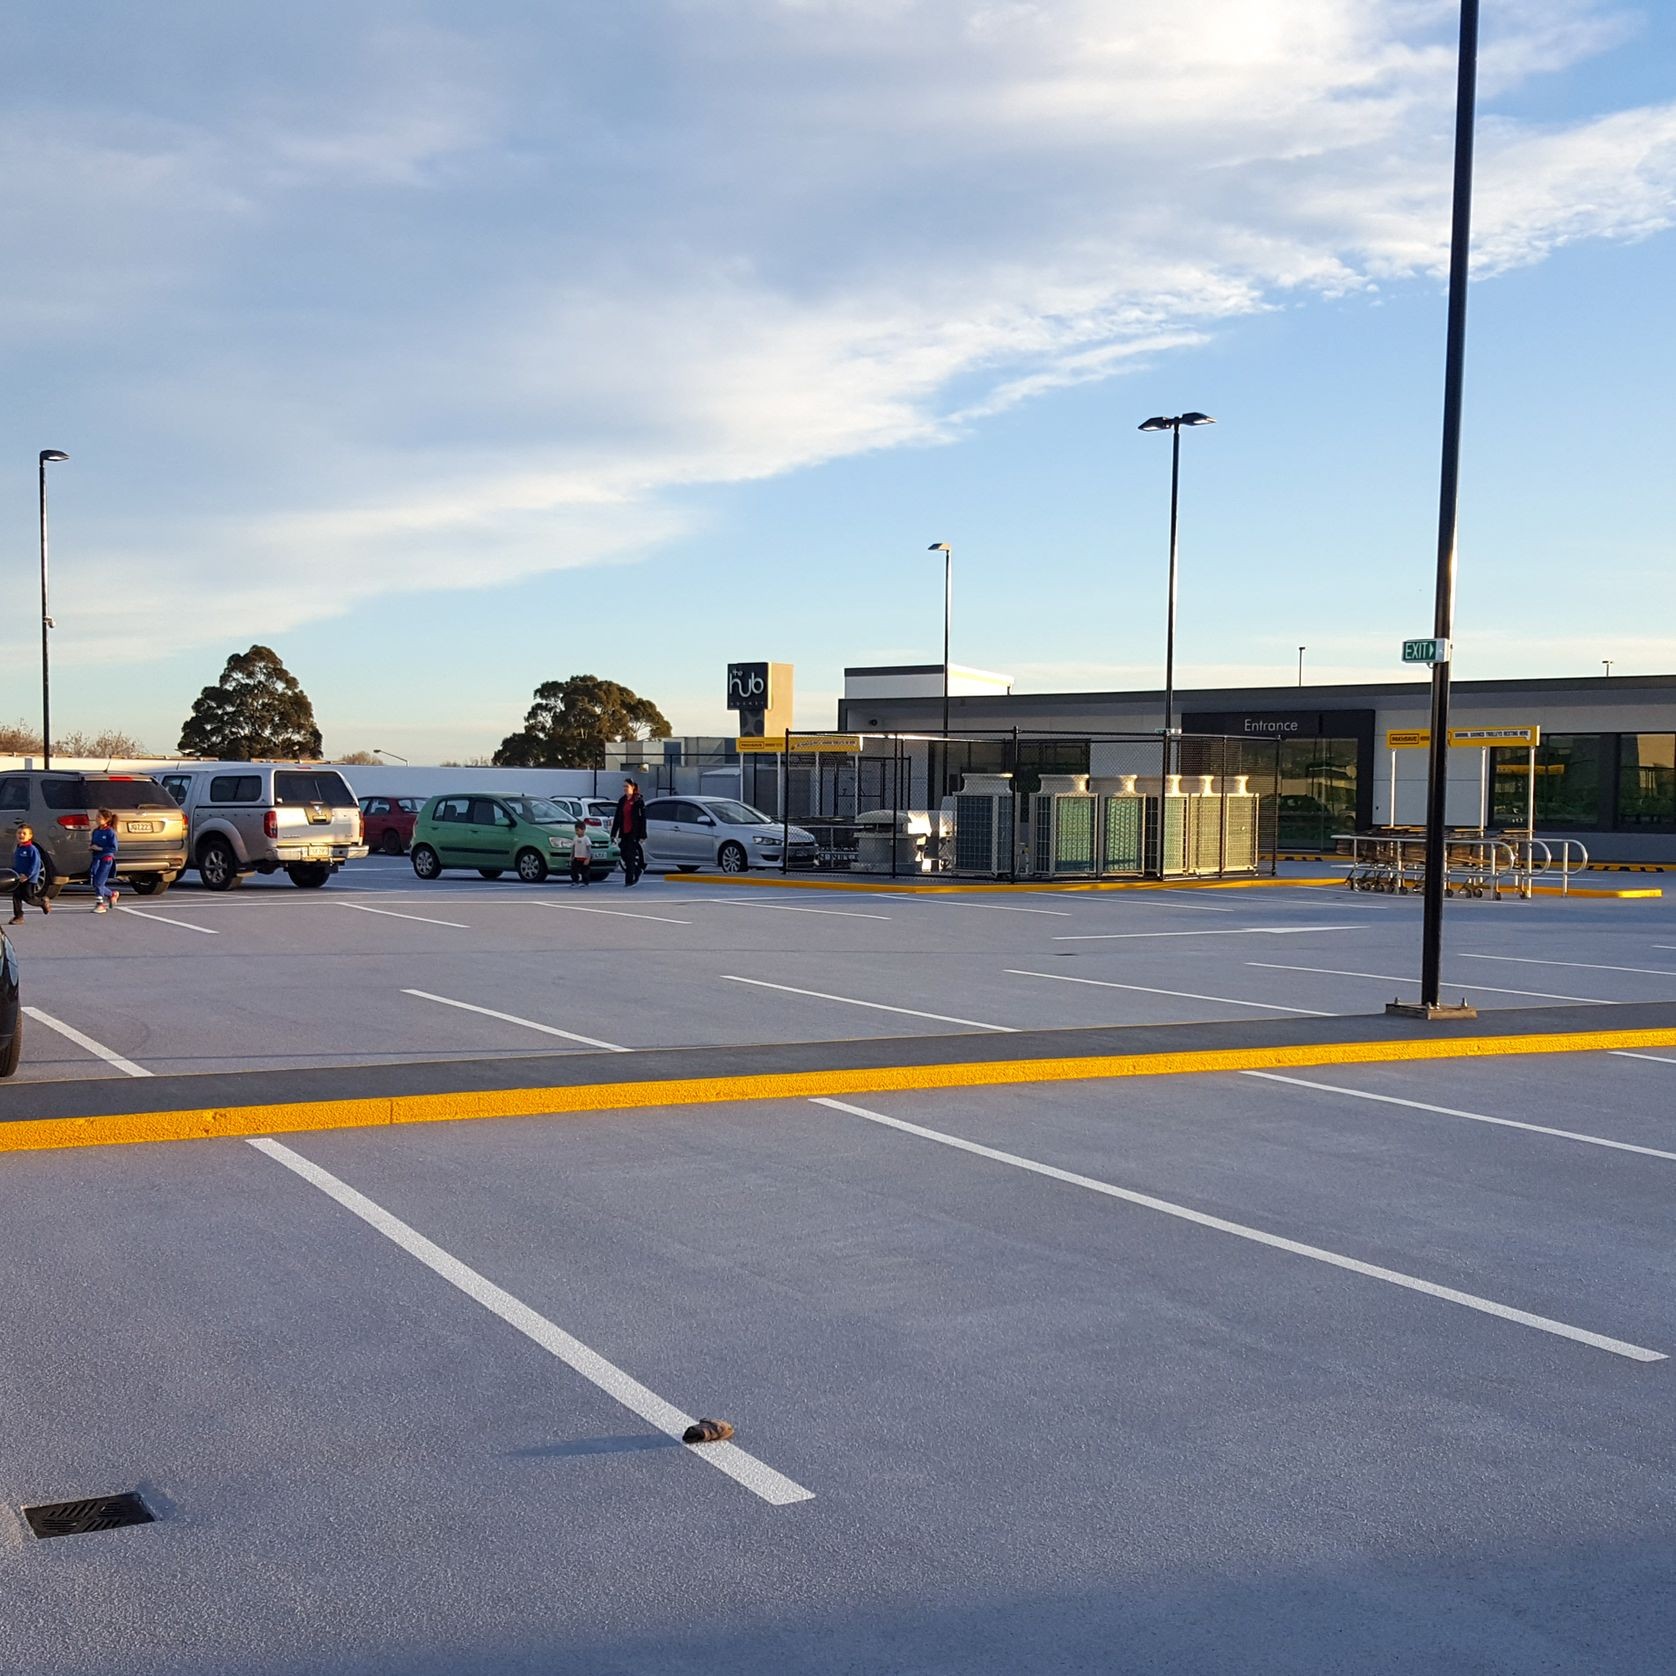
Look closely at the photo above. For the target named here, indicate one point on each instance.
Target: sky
(449, 349)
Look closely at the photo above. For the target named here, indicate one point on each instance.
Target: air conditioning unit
(983, 824)
(1122, 824)
(1168, 824)
(1062, 827)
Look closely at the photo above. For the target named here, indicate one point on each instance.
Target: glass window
(235, 788)
(14, 793)
(177, 786)
(453, 809)
(1647, 780)
(1568, 782)
(542, 811)
(292, 786)
(736, 814)
(123, 792)
(663, 810)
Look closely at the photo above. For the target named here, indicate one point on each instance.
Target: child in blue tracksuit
(30, 866)
(102, 869)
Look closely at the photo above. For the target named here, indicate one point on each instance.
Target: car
(11, 1000)
(687, 833)
(63, 805)
(387, 822)
(498, 833)
(259, 817)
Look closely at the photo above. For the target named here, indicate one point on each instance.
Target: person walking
(31, 869)
(102, 868)
(628, 828)
(581, 856)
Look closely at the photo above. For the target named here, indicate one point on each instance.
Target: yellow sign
(1482, 736)
(1408, 738)
(846, 743)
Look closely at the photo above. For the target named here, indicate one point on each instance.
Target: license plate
(142, 826)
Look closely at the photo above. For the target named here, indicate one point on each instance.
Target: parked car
(496, 834)
(63, 808)
(387, 822)
(11, 1001)
(257, 817)
(688, 833)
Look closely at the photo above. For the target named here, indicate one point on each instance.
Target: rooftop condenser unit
(983, 824)
(1062, 827)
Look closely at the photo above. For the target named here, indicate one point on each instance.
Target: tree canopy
(571, 721)
(256, 710)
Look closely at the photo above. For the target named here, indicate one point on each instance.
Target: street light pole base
(1421, 1009)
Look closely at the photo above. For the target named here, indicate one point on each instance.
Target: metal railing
(1475, 863)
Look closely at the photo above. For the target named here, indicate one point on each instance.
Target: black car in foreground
(11, 1007)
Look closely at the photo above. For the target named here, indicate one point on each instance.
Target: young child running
(30, 866)
(102, 869)
(581, 857)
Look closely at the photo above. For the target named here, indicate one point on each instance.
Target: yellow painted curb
(779, 881)
(232, 1122)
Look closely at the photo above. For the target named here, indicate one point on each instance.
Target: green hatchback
(530, 836)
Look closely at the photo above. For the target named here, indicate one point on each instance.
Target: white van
(257, 817)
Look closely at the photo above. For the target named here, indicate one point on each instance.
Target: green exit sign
(1425, 651)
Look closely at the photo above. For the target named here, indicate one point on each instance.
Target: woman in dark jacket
(628, 828)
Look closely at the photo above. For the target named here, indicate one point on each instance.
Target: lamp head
(1197, 419)
(1158, 424)
(51, 454)
(939, 547)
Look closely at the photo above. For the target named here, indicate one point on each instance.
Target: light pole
(1173, 426)
(379, 751)
(948, 606)
(1608, 663)
(49, 456)
(1301, 651)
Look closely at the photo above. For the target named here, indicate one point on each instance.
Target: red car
(388, 822)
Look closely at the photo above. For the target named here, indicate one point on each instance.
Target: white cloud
(511, 294)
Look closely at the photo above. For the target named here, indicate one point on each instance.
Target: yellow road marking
(208, 1123)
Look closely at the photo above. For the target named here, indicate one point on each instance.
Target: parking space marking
(616, 913)
(390, 913)
(1485, 988)
(743, 1468)
(1475, 1117)
(1220, 931)
(97, 1049)
(992, 907)
(877, 1006)
(513, 1018)
(1258, 1236)
(784, 907)
(1581, 965)
(1657, 1058)
(1179, 994)
(163, 919)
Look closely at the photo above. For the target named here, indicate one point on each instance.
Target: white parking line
(390, 913)
(163, 919)
(1581, 965)
(513, 1018)
(96, 1048)
(1386, 977)
(1657, 1058)
(616, 913)
(877, 1006)
(1220, 931)
(1394, 1277)
(1120, 899)
(786, 908)
(1475, 1117)
(987, 907)
(1180, 994)
(745, 1469)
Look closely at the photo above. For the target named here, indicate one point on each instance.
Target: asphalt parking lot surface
(1349, 1368)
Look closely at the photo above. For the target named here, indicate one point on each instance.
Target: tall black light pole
(49, 456)
(1301, 651)
(1443, 625)
(1173, 426)
(948, 608)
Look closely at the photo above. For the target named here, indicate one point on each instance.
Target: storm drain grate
(94, 1513)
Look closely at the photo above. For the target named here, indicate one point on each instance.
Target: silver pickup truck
(259, 817)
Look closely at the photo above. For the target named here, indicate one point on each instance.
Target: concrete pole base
(1419, 1009)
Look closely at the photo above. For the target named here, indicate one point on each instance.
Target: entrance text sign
(1425, 651)
(1482, 736)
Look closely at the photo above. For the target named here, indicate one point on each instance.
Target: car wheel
(152, 884)
(218, 868)
(532, 867)
(391, 842)
(426, 863)
(14, 1048)
(732, 858)
(308, 875)
(490, 872)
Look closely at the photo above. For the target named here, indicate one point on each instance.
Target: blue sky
(450, 349)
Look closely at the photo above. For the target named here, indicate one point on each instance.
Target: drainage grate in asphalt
(94, 1513)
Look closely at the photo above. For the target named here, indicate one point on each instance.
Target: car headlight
(774, 840)
(555, 843)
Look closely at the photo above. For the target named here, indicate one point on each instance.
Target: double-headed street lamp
(49, 456)
(1173, 426)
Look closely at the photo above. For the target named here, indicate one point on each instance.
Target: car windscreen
(539, 810)
(739, 814)
(293, 786)
(133, 792)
